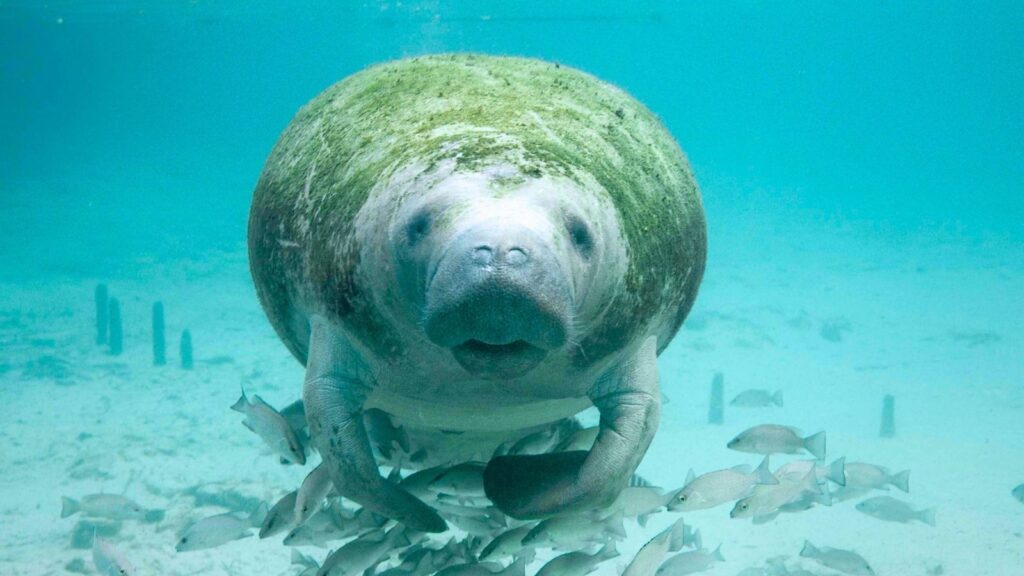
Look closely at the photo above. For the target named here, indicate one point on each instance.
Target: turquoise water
(861, 166)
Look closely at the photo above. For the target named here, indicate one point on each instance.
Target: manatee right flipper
(333, 395)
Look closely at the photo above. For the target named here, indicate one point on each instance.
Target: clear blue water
(861, 165)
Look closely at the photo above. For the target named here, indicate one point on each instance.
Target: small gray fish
(846, 561)
(312, 493)
(466, 479)
(281, 517)
(578, 563)
(214, 531)
(571, 530)
(721, 486)
(834, 472)
(650, 556)
(517, 568)
(272, 427)
(757, 399)
(640, 502)
(363, 553)
(862, 475)
(690, 562)
(767, 500)
(775, 439)
(892, 510)
(1018, 493)
(109, 506)
(109, 561)
(508, 543)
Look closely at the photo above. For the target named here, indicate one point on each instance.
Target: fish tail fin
(68, 506)
(837, 471)
(257, 516)
(398, 538)
(718, 554)
(698, 539)
(901, 480)
(927, 516)
(677, 535)
(615, 526)
(608, 551)
(777, 398)
(517, 568)
(763, 474)
(241, 403)
(808, 551)
(815, 444)
(642, 519)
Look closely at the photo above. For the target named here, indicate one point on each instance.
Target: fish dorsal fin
(690, 477)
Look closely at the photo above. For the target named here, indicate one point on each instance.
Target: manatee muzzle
(499, 302)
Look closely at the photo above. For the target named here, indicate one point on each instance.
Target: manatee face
(502, 269)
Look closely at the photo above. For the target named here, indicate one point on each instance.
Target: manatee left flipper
(334, 394)
(538, 486)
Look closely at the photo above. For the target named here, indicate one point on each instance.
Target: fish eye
(682, 497)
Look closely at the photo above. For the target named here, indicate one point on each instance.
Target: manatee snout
(499, 300)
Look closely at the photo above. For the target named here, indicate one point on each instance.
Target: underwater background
(862, 170)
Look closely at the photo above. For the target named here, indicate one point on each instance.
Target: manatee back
(464, 112)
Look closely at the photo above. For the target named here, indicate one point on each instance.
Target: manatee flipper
(333, 395)
(538, 486)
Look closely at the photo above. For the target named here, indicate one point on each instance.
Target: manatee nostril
(482, 255)
(515, 256)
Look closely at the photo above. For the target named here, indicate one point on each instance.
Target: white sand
(934, 319)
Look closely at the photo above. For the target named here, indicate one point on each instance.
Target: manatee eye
(581, 237)
(418, 227)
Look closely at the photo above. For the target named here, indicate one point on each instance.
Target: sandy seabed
(836, 317)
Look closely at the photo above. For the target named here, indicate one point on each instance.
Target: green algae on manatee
(474, 111)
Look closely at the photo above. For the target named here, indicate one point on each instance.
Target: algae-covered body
(478, 246)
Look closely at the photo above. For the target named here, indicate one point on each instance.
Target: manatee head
(479, 217)
(503, 268)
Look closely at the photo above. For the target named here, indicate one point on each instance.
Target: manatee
(480, 247)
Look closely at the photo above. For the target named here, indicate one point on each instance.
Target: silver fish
(766, 500)
(465, 480)
(362, 553)
(578, 563)
(272, 427)
(312, 493)
(109, 506)
(109, 561)
(776, 439)
(834, 472)
(892, 510)
(718, 487)
(838, 559)
(517, 568)
(650, 556)
(640, 502)
(757, 399)
(873, 477)
(214, 531)
(690, 562)
(508, 543)
(281, 517)
(571, 530)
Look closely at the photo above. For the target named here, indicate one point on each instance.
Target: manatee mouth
(506, 360)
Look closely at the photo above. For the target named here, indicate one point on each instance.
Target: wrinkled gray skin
(480, 300)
